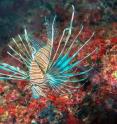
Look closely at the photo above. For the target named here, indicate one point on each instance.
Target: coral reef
(96, 101)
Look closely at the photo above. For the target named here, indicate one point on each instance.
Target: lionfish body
(46, 67)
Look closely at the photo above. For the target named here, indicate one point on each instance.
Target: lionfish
(46, 67)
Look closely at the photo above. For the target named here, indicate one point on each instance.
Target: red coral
(114, 40)
(21, 84)
(1, 110)
(1, 88)
(12, 109)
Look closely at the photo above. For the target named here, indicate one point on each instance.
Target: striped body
(38, 68)
(44, 68)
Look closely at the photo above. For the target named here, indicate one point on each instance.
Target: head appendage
(71, 66)
(50, 42)
(70, 47)
(16, 58)
(19, 54)
(25, 56)
(9, 68)
(23, 45)
(14, 72)
(28, 41)
(69, 32)
(28, 58)
(67, 39)
(62, 63)
(69, 74)
(71, 58)
(66, 62)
